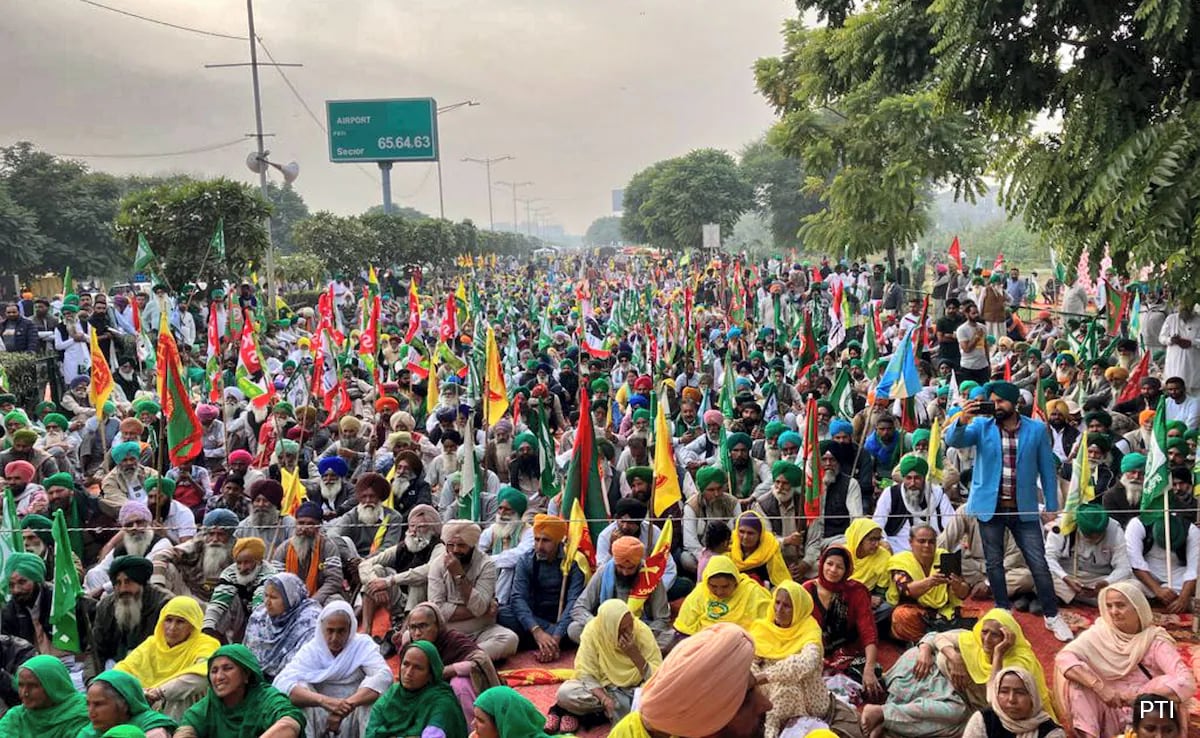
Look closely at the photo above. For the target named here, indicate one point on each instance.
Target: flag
(68, 284)
(809, 355)
(100, 386)
(65, 628)
(1081, 490)
(1116, 304)
(547, 467)
(144, 257)
(217, 244)
(473, 479)
(414, 310)
(666, 479)
(368, 340)
(935, 442)
(497, 393)
(11, 540)
(184, 434)
(870, 353)
(842, 395)
(810, 456)
(726, 398)
(1158, 473)
(579, 549)
(450, 321)
(956, 253)
(431, 384)
(249, 365)
(900, 378)
(652, 570)
(583, 475)
(1135, 314)
(212, 364)
(293, 491)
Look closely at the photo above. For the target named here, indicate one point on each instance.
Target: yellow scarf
(601, 659)
(629, 726)
(873, 571)
(938, 598)
(154, 662)
(776, 643)
(979, 664)
(700, 609)
(767, 554)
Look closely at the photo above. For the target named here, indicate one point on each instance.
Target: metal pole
(385, 171)
(528, 211)
(491, 215)
(441, 197)
(514, 226)
(262, 175)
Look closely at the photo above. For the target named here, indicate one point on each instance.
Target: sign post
(383, 131)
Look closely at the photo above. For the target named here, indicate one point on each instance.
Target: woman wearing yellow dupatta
(918, 591)
(724, 595)
(756, 551)
(790, 659)
(871, 558)
(934, 687)
(172, 664)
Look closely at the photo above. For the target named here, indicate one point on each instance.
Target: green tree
(604, 231)
(300, 267)
(344, 245)
(178, 221)
(779, 192)
(856, 102)
(679, 196)
(287, 209)
(400, 211)
(20, 241)
(633, 226)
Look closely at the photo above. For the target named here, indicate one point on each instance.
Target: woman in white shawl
(336, 676)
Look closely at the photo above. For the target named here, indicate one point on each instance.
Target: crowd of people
(353, 542)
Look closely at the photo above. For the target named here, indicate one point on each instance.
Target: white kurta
(1182, 362)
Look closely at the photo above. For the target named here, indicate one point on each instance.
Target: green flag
(144, 257)
(546, 461)
(1081, 490)
(727, 380)
(65, 633)
(217, 244)
(870, 354)
(1158, 472)
(68, 285)
(473, 479)
(10, 538)
(583, 475)
(842, 395)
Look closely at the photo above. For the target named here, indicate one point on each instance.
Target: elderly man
(1090, 558)
(126, 616)
(397, 577)
(408, 488)
(705, 449)
(749, 479)
(27, 613)
(915, 501)
(171, 517)
(265, 521)
(370, 525)
(241, 588)
(536, 610)
(616, 580)
(783, 510)
(85, 523)
(136, 538)
(499, 448)
(505, 539)
(23, 449)
(630, 520)
(39, 540)
(710, 504)
(194, 568)
(312, 556)
(1123, 499)
(213, 436)
(331, 491)
(126, 481)
(462, 584)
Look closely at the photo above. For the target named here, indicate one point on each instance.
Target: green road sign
(382, 130)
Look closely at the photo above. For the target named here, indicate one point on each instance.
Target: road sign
(711, 236)
(382, 130)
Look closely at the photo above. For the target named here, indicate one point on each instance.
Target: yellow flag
(431, 384)
(666, 480)
(100, 386)
(497, 393)
(935, 442)
(293, 491)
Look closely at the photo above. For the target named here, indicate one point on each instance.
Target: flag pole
(1167, 533)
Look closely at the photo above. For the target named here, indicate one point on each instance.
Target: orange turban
(551, 526)
(692, 393)
(679, 698)
(1145, 416)
(386, 404)
(628, 551)
(256, 547)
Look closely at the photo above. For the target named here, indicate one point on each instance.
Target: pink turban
(241, 456)
(679, 698)
(133, 510)
(713, 416)
(206, 413)
(22, 470)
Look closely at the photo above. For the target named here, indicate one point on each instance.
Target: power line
(183, 152)
(155, 21)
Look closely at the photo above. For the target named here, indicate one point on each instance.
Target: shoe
(569, 725)
(1060, 629)
(552, 722)
(1021, 604)
(1035, 607)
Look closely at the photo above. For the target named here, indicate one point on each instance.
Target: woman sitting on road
(842, 606)
(1016, 709)
(422, 703)
(724, 595)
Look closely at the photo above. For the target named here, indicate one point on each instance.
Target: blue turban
(336, 464)
(221, 518)
(791, 438)
(125, 450)
(838, 425)
(638, 401)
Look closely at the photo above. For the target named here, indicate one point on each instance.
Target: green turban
(41, 526)
(26, 436)
(284, 408)
(733, 440)
(599, 385)
(789, 471)
(1178, 443)
(1092, 519)
(774, 429)
(56, 419)
(965, 388)
(27, 565)
(515, 498)
(61, 479)
(16, 416)
(1006, 391)
(1133, 462)
(525, 439)
(920, 435)
(162, 484)
(44, 407)
(644, 473)
(1172, 425)
(289, 447)
(707, 475)
(911, 463)
(641, 414)
(147, 406)
(125, 450)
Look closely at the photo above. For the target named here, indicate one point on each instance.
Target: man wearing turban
(1089, 559)
(396, 577)
(240, 590)
(750, 478)
(1123, 499)
(266, 520)
(371, 525)
(706, 449)
(23, 448)
(125, 616)
(783, 508)
(503, 537)
(126, 480)
(462, 584)
(194, 568)
(914, 501)
(615, 580)
(711, 503)
(630, 519)
(138, 538)
(311, 555)
(536, 610)
(30, 599)
(499, 448)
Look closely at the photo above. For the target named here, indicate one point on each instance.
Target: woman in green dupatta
(116, 698)
(50, 706)
(422, 703)
(502, 712)
(239, 704)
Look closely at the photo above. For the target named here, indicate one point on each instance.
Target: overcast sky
(582, 93)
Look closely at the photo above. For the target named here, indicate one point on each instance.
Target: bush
(28, 374)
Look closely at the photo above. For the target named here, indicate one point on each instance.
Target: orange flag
(101, 384)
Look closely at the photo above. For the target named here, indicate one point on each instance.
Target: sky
(582, 93)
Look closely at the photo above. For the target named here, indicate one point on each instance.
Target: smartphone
(986, 407)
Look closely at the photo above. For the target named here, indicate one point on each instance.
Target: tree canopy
(779, 192)
(287, 209)
(604, 231)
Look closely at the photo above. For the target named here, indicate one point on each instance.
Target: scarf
(260, 708)
(775, 642)
(291, 564)
(600, 658)
(1111, 652)
(768, 553)
(979, 663)
(140, 714)
(938, 598)
(315, 664)
(404, 712)
(274, 639)
(514, 715)
(701, 609)
(873, 571)
(66, 714)
(1027, 727)
(154, 663)
(835, 549)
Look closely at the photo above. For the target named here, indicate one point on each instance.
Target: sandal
(552, 722)
(569, 724)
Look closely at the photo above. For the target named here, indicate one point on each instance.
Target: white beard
(54, 437)
(450, 463)
(264, 518)
(416, 544)
(1133, 491)
(125, 375)
(505, 529)
(369, 514)
(773, 455)
(329, 492)
(247, 579)
(216, 558)
(303, 546)
(137, 543)
(401, 483)
(128, 612)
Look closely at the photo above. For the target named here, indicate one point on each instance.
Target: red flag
(956, 253)
(184, 434)
(811, 461)
(999, 263)
(1133, 386)
(339, 396)
(837, 291)
(450, 321)
(817, 275)
(922, 330)
(1008, 369)
(137, 314)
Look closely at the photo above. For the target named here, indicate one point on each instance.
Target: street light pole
(441, 194)
(529, 201)
(487, 163)
(515, 186)
(262, 175)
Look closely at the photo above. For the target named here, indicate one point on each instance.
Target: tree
(300, 267)
(856, 105)
(345, 245)
(288, 209)
(604, 231)
(633, 227)
(779, 194)
(676, 197)
(20, 242)
(400, 211)
(179, 220)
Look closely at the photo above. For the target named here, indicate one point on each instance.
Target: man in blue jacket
(539, 606)
(1012, 455)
